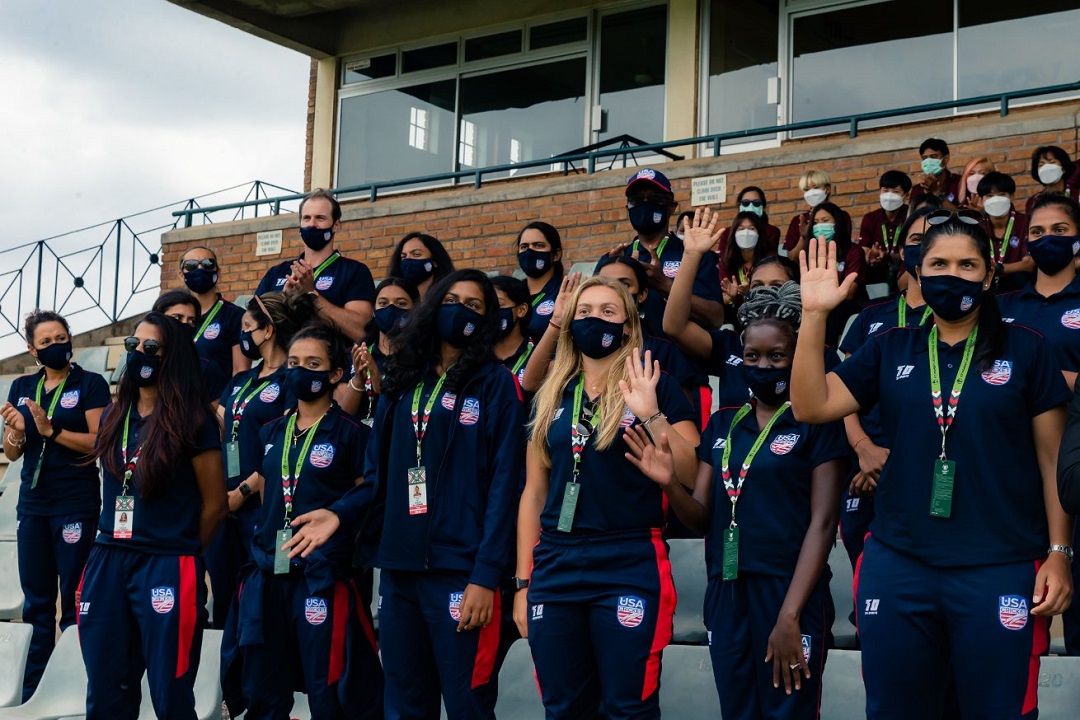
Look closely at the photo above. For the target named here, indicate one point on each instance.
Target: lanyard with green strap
(659, 248)
(1004, 241)
(326, 263)
(57, 392)
(290, 478)
(523, 359)
(239, 406)
(895, 239)
(901, 313)
(417, 476)
(730, 569)
(124, 515)
(579, 438)
(944, 469)
(209, 318)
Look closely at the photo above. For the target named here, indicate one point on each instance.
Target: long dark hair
(332, 340)
(175, 428)
(287, 314)
(554, 240)
(990, 344)
(418, 344)
(371, 330)
(732, 259)
(842, 224)
(439, 257)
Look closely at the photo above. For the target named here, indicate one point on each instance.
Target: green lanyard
(1004, 240)
(895, 240)
(209, 318)
(733, 490)
(326, 263)
(539, 296)
(901, 313)
(578, 438)
(742, 276)
(523, 359)
(659, 248)
(289, 482)
(129, 463)
(49, 416)
(238, 406)
(420, 423)
(945, 420)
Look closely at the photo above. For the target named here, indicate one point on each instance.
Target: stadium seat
(62, 691)
(687, 688)
(843, 600)
(877, 291)
(93, 359)
(242, 301)
(9, 500)
(842, 694)
(585, 268)
(843, 335)
(11, 594)
(1059, 688)
(519, 696)
(518, 274)
(5, 386)
(688, 568)
(375, 598)
(11, 478)
(118, 372)
(14, 644)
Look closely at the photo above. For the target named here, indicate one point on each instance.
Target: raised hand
(13, 418)
(699, 233)
(818, 283)
(656, 462)
(640, 393)
(566, 292)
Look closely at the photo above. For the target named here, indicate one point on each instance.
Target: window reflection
(742, 57)
(633, 55)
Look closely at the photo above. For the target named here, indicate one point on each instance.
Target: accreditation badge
(124, 517)
(418, 490)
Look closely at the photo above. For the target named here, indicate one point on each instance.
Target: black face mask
(56, 356)
(769, 385)
(535, 263)
(316, 238)
(458, 324)
(912, 258)
(1053, 253)
(200, 280)
(951, 297)
(307, 385)
(248, 347)
(390, 319)
(507, 321)
(141, 368)
(417, 270)
(649, 218)
(595, 337)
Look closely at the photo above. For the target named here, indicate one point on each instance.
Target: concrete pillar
(322, 143)
(681, 111)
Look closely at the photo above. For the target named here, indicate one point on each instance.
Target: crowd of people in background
(513, 452)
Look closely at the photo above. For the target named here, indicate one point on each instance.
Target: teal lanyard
(945, 420)
(290, 481)
(735, 490)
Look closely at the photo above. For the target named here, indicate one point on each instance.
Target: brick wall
(478, 227)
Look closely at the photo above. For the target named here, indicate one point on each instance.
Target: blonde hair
(814, 178)
(963, 194)
(568, 365)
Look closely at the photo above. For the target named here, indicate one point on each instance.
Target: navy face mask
(595, 337)
(316, 238)
(648, 218)
(912, 258)
(951, 297)
(142, 369)
(417, 270)
(200, 280)
(56, 356)
(307, 385)
(390, 319)
(535, 263)
(769, 385)
(1053, 253)
(507, 321)
(248, 347)
(458, 324)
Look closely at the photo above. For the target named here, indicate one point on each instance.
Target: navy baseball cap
(649, 175)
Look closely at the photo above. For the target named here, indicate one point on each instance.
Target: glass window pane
(489, 46)
(743, 41)
(522, 114)
(427, 58)
(558, 33)
(633, 52)
(370, 68)
(397, 134)
(900, 62)
(1006, 46)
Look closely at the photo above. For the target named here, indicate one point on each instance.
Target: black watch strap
(520, 583)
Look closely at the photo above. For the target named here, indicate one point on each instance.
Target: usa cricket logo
(967, 303)
(781, 387)
(540, 263)
(645, 174)
(627, 418)
(607, 339)
(671, 268)
(1000, 373)
(72, 533)
(469, 329)
(783, 444)
(212, 331)
(322, 455)
(315, 611)
(1012, 612)
(162, 599)
(270, 393)
(448, 400)
(1071, 319)
(545, 308)
(146, 372)
(470, 412)
(806, 649)
(455, 606)
(631, 611)
(69, 399)
(324, 282)
(316, 386)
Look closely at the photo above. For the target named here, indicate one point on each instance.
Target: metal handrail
(591, 156)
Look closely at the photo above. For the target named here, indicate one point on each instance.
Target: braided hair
(781, 306)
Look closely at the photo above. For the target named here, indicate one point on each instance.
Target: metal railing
(98, 275)
(590, 157)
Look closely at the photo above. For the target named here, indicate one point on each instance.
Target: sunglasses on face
(752, 203)
(642, 198)
(940, 217)
(149, 346)
(205, 264)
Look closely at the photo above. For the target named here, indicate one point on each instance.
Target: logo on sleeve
(999, 374)
(631, 611)
(162, 599)
(72, 532)
(455, 606)
(874, 327)
(267, 449)
(448, 400)
(903, 372)
(734, 360)
(69, 399)
(22, 401)
(852, 504)
(1008, 320)
(671, 268)
(545, 308)
(557, 415)
(322, 455)
(783, 444)
(1012, 612)
(324, 282)
(470, 412)
(806, 648)
(1071, 319)
(212, 331)
(270, 393)
(315, 610)
(719, 444)
(279, 282)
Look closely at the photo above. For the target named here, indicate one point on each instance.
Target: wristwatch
(244, 489)
(1063, 549)
(520, 583)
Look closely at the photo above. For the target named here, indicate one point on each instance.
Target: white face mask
(973, 182)
(1050, 173)
(997, 206)
(815, 196)
(891, 201)
(746, 238)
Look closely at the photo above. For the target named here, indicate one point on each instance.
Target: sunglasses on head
(940, 217)
(752, 203)
(205, 264)
(149, 346)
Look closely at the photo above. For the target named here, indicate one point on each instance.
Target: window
(489, 46)
(418, 128)
(370, 68)
(429, 58)
(743, 51)
(633, 55)
(467, 144)
(515, 150)
(562, 32)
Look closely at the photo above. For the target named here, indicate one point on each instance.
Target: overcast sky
(111, 107)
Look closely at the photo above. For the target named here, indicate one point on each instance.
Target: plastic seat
(62, 690)
(14, 645)
(1059, 688)
(519, 696)
(93, 359)
(687, 687)
(11, 594)
(375, 579)
(877, 290)
(585, 268)
(10, 499)
(242, 301)
(844, 634)
(688, 568)
(118, 372)
(843, 696)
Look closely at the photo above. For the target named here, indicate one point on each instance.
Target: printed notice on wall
(711, 190)
(268, 243)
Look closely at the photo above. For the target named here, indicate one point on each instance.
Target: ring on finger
(793, 667)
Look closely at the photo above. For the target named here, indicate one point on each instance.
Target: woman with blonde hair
(975, 171)
(600, 597)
